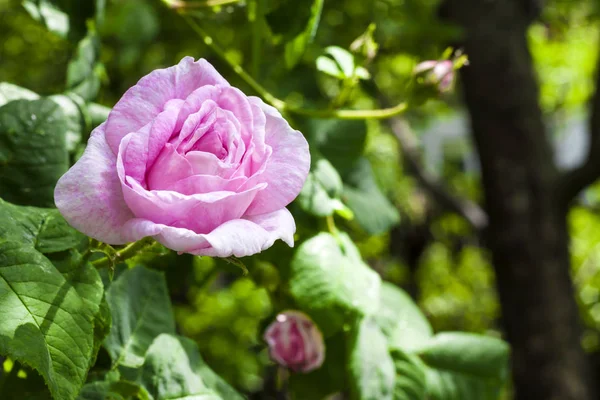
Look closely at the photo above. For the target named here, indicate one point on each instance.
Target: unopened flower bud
(295, 342)
(366, 44)
(437, 73)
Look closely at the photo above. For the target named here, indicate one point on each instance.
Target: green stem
(126, 252)
(208, 40)
(331, 225)
(381, 113)
(199, 4)
(334, 230)
(281, 105)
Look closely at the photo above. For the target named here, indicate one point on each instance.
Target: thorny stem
(281, 105)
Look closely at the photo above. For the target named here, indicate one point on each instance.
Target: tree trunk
(527, 231)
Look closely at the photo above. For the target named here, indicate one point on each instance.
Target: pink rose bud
(295, 342)
(438, 73)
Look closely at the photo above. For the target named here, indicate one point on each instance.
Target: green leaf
(370, 367)
(49, 14)
(331, 283)
(112, 388)
(76, 118)
(373, 211)
(339, 141)
(146, 315)
(33, 153)
(328, 66)
(48, 311)
(330, 378)
(476, 355)
(87, 282)
(321, 191)
(173, 369)
(362, 73)
(102, 325)
(294, 49)
(65, 18)
(328, 177)
(45, 229)
(465, 366)
(99, 390)
(343, 58)
(401, 320)
(10, 92)
(410, 376)
(85, 72)
(340, 63)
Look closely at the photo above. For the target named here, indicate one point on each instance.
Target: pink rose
(191, 161)
(295, 342)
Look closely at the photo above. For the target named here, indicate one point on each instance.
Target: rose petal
(162, 129)
(240, 237)
(169, 168)
(251, 235)
(144, 101)
(89, 194)
(145, 145)
(199, 212)
(208, 164)
(287, 167)
(193, 124)
(227, 98)
(205, 184)
(257, 152)
(135, 154)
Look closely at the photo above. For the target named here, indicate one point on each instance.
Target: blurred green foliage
(445, 267)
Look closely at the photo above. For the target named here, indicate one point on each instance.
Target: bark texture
(527, 232)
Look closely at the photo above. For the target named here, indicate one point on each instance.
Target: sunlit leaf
(10, 92)
(146, 315)
(410, 381)
(48, 311)
(173, 369)
(321, 191)
(329, 67)
(465, 366)
(331, 283)
(49, 14)
(343, 58)
(401, 319)
(371, 368)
